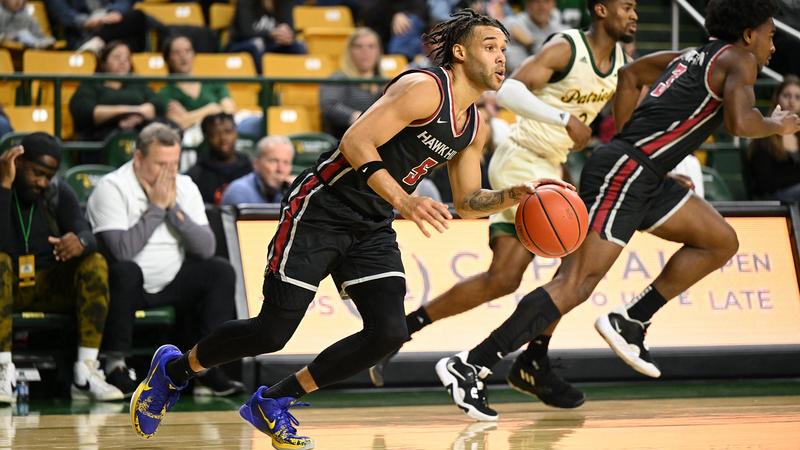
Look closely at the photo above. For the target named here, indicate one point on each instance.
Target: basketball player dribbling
(625, 188)
(556, 94)
(337, 219)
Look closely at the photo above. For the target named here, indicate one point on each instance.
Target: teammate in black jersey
(337, 220)
(625, 187)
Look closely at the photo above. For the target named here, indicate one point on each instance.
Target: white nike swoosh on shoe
(440, 121)
(453, 371)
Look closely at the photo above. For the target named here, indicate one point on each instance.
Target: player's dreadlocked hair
(455, 30)
(727, 19)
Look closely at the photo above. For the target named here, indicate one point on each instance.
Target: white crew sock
(85, 353)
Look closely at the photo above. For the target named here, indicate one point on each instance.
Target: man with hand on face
(153, 225)
(48, 262)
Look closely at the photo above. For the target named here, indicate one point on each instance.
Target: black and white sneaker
(537, 378)
(376, 372)
(123, 379)
(465, 384)
(626, 338)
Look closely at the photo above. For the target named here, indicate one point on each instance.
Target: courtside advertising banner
(752, 300)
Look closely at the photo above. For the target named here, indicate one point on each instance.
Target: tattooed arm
(469, 199)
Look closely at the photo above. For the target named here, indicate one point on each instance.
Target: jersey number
(417, 172)
(663, 86)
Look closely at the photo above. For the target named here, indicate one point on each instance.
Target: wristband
(368, 168)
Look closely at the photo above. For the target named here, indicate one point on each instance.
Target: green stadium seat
(308, 147)
(119, 147)
(10, 140)
(716, 190)
(83, 178)
(727, 162)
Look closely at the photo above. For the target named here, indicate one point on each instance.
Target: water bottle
(23, 394)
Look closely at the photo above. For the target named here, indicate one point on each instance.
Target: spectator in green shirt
(188, 102)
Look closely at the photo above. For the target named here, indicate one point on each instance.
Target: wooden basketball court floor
(694, 423)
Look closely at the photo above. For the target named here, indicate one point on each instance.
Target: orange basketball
(552, 222)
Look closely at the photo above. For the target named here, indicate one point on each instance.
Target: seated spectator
(529, 29)
(16, 25)
(152, 222)
(341, 104)
(188, 102)
(271, 176)
(399, 24)
(263, 26)
(5, 124)
(89, 24)
(49, 262)
(440, 10)
(99, 108)
(775, 160)
(220, 164)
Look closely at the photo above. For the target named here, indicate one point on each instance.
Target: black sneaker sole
(546, 401)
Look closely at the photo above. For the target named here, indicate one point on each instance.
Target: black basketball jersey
(680, 111)
(409, 156)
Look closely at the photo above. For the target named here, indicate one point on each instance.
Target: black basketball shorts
(623, 195)
(319, 234)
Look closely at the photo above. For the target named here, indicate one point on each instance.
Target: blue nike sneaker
(272, 417)
(156, 395)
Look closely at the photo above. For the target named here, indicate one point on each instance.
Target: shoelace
(483, 396)
(284, 415)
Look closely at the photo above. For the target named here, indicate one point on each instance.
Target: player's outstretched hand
(790, 123)
(579, 132)
(426, 209)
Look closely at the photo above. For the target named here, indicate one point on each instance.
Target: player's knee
(573, 289)
(729, 244)
(503, 283)
(390, 335)
(270, 336)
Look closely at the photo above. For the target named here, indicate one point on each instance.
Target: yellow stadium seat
(8, 89)
(301, 66)
(321, 16)
(174, 13)
(46, 62)
(508, 116)
(285, 120)
(327, 41)
(31, 118)
(220, 18)
(393, 65)
(37, 9)
(231, 65)
(150, 64)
